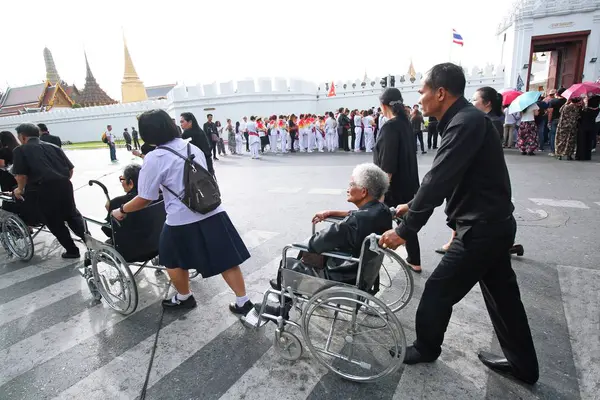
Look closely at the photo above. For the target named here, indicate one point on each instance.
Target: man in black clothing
(343, 127)
(127, 138)
(470, 173)
(135, 135)
(211, 132)
(432, 133)
(45, 136)
(43, 173)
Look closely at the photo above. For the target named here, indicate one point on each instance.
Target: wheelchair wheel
(287, 345)
(114, 280)
(349, 342)
(16, 237)
(396, 281)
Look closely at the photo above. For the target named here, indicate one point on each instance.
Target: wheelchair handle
(104, 189)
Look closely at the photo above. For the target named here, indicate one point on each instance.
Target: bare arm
(2, 164)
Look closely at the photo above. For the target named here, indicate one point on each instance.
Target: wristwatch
(121, 209)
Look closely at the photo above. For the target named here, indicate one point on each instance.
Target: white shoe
(551, 154)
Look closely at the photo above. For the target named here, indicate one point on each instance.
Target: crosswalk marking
(580, 288)
(326, 191)
(123, 376)
(47, 344)
(17, 308)
(32, 271)
(560, 203)
(285, 190)
(255, 238)
(597, 202)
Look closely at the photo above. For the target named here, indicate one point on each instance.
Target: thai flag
(456, 38)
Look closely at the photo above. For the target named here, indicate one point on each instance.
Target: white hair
(372, 178)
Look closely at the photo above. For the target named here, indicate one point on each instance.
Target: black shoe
(502, 366)
(423, 152)
(190, 302)
(413, 356)
(68, 255)
(524, 153)
(274, 284)
(215, 158)
(243, 310)
(517, 249)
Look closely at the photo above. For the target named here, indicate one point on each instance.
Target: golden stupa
(132, 88)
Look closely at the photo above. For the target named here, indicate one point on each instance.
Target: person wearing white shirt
(382, 120)
(273, 133)
(369, 133)
(331, 133)
(283, 133)
(208, 243)
(527, 139)
(319, 130)
(253, 138)
(357, 130)
(239, 141)
(244, 131)
(112, 146)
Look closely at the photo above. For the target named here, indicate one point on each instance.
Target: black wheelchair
(347, 327)
(108, 264)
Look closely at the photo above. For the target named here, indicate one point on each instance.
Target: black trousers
(57, 205)
(213, 146)
(292, 140)
(247, 144)
(128, 145)
(479, 253)
(432, 137)
(343, 139)
(419, 135)
(136, 143)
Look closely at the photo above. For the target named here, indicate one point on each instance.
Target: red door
(553, 70)
(569, 71)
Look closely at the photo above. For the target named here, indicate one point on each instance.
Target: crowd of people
(569, 127)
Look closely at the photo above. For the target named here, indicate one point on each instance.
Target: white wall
(264, 97)
(540, 21)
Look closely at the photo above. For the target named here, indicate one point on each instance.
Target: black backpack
(201, 193)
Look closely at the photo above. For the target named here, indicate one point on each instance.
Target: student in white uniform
(283, 133)
(331, 133)
(312, 133)
(320, 133)
(239, 138)
(273, 133)
(369, 125)
(253, 138)
(357, 131)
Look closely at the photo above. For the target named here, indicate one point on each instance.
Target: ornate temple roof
(92, 94)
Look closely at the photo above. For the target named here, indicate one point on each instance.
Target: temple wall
(262, 97)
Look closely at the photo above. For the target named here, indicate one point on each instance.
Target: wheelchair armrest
(332, 254)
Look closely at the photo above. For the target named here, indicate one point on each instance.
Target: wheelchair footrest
(253, 320)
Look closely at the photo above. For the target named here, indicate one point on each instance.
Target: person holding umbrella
(527, 139)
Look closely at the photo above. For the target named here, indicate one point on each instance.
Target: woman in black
(7, 143)
(394, 153)
(192, 130)
(586, 134)
(293, 129)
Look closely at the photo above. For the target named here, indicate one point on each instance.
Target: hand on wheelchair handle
(401, 210)
(118, 215)
(320, 216)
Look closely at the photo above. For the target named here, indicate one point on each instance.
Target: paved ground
(55, 343)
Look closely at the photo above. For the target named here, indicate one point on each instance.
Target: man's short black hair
(157, 127)
(560, 91)
(448, 76)
(208, 115)
(28, 130)
(43, 127)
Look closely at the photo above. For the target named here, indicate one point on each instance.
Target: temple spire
(51, 72)
(92, 94)
(132, 88)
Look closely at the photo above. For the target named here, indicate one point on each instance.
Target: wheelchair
(345, 326)
(108, 265)
(18, 231)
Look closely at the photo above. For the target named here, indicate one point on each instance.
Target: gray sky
(200, 41)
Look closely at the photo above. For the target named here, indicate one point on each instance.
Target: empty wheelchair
(18, 227)
(108, 265)
(345, 327)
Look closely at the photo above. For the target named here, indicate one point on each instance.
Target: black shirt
(394, 153)
(200, 140)
(48, 138)
(555, 105)
(211, 129)
(7, 181)
(468, 171)
(134, 133)
(41, 162)
(416, 121)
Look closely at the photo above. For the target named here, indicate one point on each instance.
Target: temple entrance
(566, 52)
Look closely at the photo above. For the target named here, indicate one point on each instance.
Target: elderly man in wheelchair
(333, 280)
